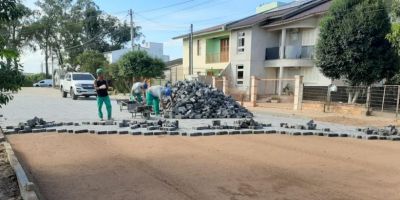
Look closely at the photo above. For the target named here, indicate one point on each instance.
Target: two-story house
(275, 44)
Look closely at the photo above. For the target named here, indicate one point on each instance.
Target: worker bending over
(154, 94)
(102, 95)
(138, 89)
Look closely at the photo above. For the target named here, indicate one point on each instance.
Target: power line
(167, 6)
(183, 9)
(158, 23)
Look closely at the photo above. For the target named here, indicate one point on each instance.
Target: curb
(26, 188)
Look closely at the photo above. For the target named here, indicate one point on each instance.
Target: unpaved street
(224, 167)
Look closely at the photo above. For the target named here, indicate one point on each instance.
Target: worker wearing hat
(102, 94)
(137, 90)
(154, 94)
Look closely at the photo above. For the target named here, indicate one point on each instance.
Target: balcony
(217, 57)
(291, 52)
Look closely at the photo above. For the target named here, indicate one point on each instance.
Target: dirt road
(225, 167)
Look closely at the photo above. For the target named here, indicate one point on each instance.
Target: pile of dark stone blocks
(387, 133)
(35, 125)
(196, 100)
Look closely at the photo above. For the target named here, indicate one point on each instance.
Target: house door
(224, 51)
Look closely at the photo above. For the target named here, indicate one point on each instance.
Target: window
(240, 45)
(239, 74)
(198, 47)
(81, 77)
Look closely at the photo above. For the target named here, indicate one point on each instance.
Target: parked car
(78, 84)
(44, 83)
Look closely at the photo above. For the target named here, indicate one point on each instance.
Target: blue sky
(161, 20)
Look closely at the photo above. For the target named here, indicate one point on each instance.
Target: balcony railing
(291, 52)
(272, 53)
(217, 57)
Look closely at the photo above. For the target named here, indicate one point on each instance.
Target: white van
(44, 83)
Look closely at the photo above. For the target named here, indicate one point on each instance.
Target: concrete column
(281, 56)
(253, 91)
(224, 85)
(214, 82)
(298, 92)
(280, 81)
(283, 44)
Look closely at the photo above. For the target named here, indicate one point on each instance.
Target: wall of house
(240, 58)
(199, 61)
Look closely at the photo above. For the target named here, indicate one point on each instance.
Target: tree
(138, 64)
(11, 78)
(90, 61)
(352, 44)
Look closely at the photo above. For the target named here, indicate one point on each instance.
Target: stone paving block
(39, 126)
(234, 132)
(319, 134)
(371, 137)
(147, 133)
(51, 130)
(76, 124)
(78, 131)
(102, 123)
(326, 129)
(343, 135)
(245, 132)
(210, 133)
(109, 123)
(143, 125)
(184, 134)
(112, 132)
(101, 132)
(382, 137)
(9, 127)
(61, 130)
(283, 132)
(158, 132)
(95, 123)
(25, 131)
(173, 133)
(359, 136)
(332, 134)
(70, 131)
(169, 128)
(307, 133)
(85, 123)
(123, 132)
(135, 132)
(135, 126)
(151, 128)
(295, 133)
(194, 134)
(394, 138)
(221, 133)
(92, 131)
(270, 131)
(258, 131)
(268, 125)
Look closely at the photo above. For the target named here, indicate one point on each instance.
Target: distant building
(174, 70)
(155, 50)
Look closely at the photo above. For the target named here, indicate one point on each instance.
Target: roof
(291, 11)
(312, 11)
(171, 63)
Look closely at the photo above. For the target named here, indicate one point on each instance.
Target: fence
(275, 93)
(374, 98)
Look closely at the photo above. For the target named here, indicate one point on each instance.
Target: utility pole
(191, 50)
(132, 31)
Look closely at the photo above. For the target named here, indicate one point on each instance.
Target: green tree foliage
(352, 44)
(11, 78)
(90, 61)
(29, 80)
(138, 64)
